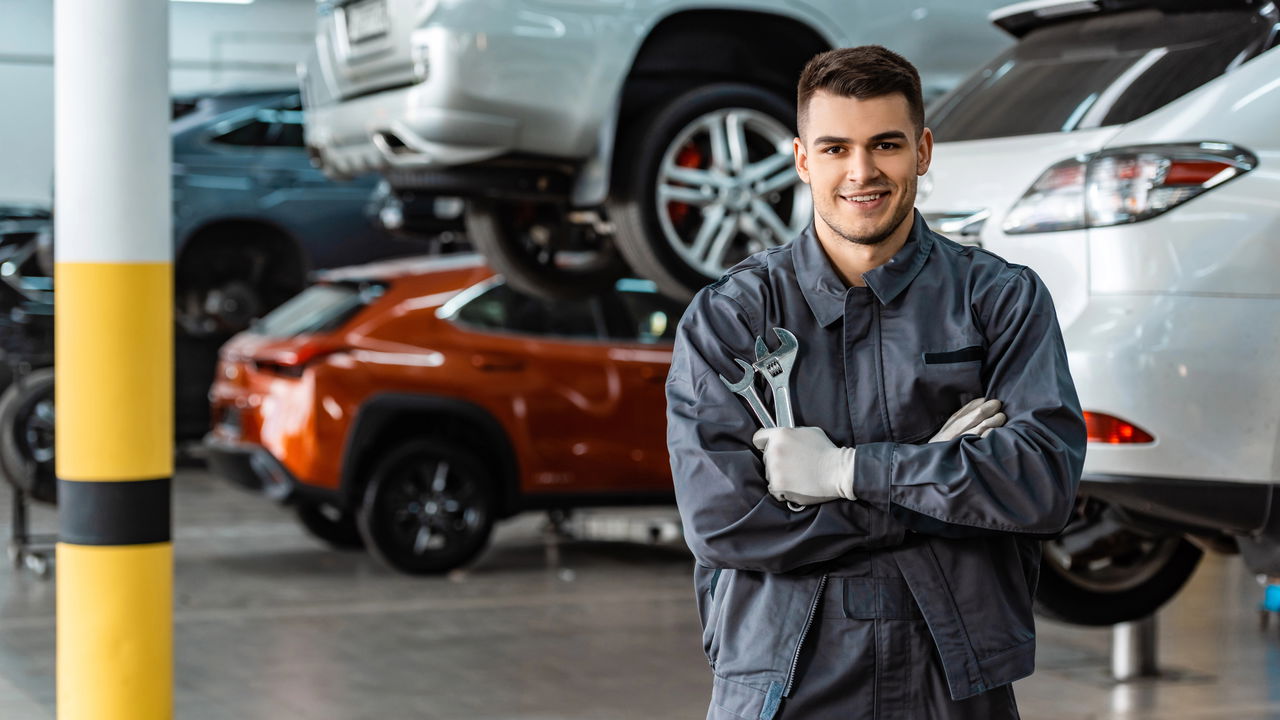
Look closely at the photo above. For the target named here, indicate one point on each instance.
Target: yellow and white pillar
(114, 359)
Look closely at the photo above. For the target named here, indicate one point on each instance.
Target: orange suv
(406, 406)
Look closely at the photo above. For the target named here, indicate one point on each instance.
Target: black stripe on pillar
(128, 512)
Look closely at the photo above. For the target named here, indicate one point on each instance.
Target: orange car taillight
(1124, 185)
(1103, 428)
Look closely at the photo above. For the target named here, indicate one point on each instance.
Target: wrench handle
(782, 406)
(762, 414)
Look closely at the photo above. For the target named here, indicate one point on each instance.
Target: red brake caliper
(690, 157)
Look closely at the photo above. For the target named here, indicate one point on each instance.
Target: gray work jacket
(879, 368)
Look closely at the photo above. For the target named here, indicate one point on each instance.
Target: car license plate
(366, 20)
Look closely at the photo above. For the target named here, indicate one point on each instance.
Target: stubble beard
(904, 204)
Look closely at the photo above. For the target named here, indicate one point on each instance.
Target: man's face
(861, 159)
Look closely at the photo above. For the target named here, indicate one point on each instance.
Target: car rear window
(1097, 71)
(318, 309)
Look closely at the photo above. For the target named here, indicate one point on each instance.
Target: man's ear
(802, 159)
(924, 151)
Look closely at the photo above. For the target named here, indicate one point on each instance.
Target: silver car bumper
(394, 129)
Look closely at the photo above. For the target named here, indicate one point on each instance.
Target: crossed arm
(1019, 477)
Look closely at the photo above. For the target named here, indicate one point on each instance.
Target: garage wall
(213, 47)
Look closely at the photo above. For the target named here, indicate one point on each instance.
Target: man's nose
(861, 168)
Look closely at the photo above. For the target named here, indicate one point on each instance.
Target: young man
(878, 560)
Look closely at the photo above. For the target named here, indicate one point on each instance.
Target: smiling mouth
(865, 198)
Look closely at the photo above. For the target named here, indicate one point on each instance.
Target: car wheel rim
(433, 509)
(726, 188)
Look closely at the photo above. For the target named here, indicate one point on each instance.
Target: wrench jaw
(748, 377)
(787, 344)
(746, 388)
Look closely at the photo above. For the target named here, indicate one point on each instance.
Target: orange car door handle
(497, 363)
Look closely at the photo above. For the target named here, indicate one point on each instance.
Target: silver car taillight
(1124, 185)
(1055, 201)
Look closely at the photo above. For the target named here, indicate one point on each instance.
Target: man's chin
(865, 233)
(869, 231)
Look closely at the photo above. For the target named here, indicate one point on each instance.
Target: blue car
(251, 216)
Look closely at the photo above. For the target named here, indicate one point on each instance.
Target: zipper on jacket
(795, 659)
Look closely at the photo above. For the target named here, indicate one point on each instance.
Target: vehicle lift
(1133, 650)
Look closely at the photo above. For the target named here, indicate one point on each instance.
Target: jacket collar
(824, 290)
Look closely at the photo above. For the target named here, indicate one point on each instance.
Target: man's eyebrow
(890, 135)
(878, 137)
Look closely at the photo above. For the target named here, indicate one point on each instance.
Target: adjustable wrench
(776, 368)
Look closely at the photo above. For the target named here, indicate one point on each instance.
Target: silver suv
(590, 135)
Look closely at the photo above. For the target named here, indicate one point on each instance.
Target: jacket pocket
(754, 622)
(707, 581)
(963, 355)
(942, 382)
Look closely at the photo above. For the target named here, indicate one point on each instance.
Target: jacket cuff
(873, 473)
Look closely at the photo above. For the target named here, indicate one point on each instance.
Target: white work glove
(803, 466)
(978, 417)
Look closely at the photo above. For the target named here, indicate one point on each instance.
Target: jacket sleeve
(1020, 478)
(730, 520)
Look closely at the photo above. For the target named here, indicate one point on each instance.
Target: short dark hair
(862, 72)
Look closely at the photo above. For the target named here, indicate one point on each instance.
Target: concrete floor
(271, 624)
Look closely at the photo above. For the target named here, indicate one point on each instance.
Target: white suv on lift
(1128, 156)
(587, 133)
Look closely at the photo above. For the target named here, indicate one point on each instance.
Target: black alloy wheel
(428, 507)
(539, 252)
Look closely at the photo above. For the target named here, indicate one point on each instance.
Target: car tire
(26, 435)
(229, 277)
(327, 522)
(539, 252)
(673, 243)
(429, 507)
(1075, 598)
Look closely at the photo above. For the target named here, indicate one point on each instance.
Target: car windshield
(318, 309)
(1097, 71)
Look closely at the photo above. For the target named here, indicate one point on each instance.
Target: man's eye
(887, 146)
(833, 149)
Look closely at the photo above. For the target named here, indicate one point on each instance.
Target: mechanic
(878, 560)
